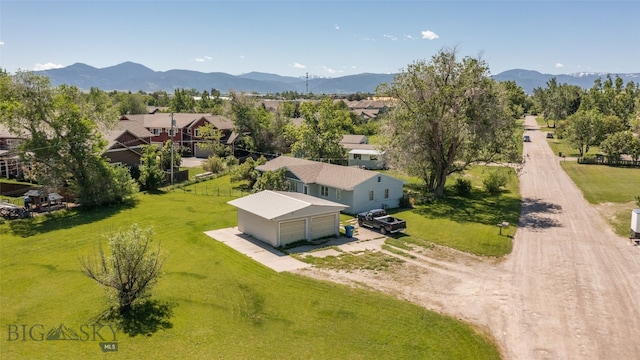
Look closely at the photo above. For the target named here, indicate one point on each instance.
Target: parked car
(549, 135)
(378, 219)
(527, 138)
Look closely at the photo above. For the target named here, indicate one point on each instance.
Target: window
(338, 194)
(305, 189)
(386, 193)
(373, 157)
(196, 132)
(371, 195)
(155, 131)
(293, 187)
(379, 178)
(357, 156)
(324, 191)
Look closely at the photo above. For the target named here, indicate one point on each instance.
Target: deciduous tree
(131, 270)
(61, 132)
(320, 135)
(447, 114)
(584, 129)
(557, 101)
(151, 174)
(272, 180)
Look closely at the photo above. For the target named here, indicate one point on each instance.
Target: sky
(320, 38)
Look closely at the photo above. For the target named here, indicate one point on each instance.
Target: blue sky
(322, 38)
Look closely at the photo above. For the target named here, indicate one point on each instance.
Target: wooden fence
(609, 162)
(207, 190)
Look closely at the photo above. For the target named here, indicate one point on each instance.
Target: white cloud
(47, 66)
(1, 43)
(408, 37)
(391, 37)
(559, 65)
(336, 26)
(429, 35)
(299, 66)
(203, 59)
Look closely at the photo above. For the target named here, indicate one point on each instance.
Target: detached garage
(279, 218)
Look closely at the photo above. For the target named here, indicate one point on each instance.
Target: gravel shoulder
(569, 290)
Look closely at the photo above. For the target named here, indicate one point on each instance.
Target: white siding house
(358, 189)
(361, 153)
(279, 218)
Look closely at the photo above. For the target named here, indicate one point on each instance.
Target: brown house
(186, 127)
(126, 143)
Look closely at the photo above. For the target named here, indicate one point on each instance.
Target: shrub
(638, 200)
(494, 182)
(214, 164)
(462, 187)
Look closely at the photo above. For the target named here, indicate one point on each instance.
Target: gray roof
(313, 172)
(183, 120)
(354, 139)
(274, 204)
(123, 126)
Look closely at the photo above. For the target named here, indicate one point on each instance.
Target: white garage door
(292, 231)
(323, 226)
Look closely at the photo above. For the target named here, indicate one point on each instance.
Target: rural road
(569, 290)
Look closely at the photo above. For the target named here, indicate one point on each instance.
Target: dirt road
(569, 290)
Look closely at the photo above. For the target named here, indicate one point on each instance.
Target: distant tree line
(607, 115)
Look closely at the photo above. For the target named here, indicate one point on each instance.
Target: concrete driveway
(363, 239)
(191, 162)
(256, 250)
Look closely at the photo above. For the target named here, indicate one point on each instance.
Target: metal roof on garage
(276, 204)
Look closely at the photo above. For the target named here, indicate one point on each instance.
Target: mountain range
(134, 77)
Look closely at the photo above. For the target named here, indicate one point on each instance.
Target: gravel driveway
(569, 290)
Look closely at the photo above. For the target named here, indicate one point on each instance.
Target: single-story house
(279, 218)
(359, 189)
(360, 153)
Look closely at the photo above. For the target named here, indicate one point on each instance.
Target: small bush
(494, 182)
(214, 164)
(231, 161)
(638, 200)
(462, 187)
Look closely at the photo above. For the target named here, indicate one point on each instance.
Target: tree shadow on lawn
(478, 207)
(65, 219)
(491, 210)
(145, 318)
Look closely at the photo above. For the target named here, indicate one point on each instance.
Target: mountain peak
(131, 76)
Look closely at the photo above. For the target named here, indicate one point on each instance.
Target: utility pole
(173, 124)
(307, 83)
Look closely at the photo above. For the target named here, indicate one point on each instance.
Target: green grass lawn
(466, 223)
(211, 302)
(605, 184)
(600, 183)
